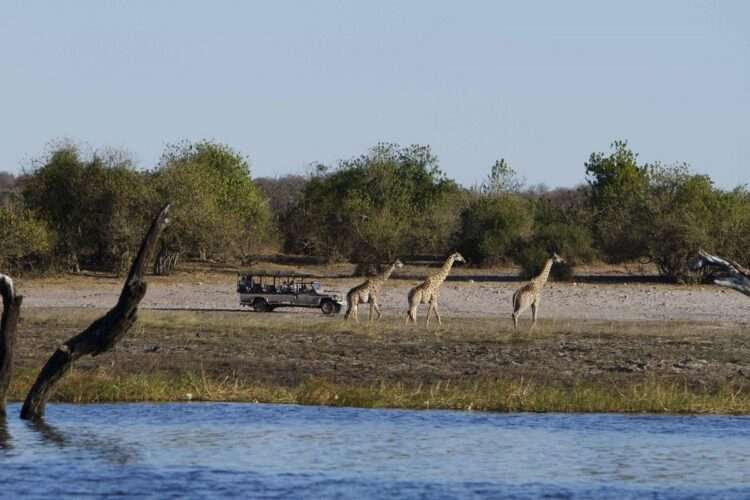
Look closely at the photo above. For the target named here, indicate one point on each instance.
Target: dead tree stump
(103, 333)
(8, 326)
(722, 272)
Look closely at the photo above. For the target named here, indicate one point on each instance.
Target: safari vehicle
(264, 292)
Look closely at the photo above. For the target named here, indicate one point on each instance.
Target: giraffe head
(457, 257)
(398, 264)
(557, 259)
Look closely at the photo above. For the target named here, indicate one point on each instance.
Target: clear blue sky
(542, 84)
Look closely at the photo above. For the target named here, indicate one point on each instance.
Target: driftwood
(8, 326)
(722, 272)
(103, 333)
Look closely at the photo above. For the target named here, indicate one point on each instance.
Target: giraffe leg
(534, 308)
(515, 320)
(355, 311)
(377, 310)
(348, 312)
(429, 311)
(372, 308)
(411, 314)
(414, 299)
(435, 306)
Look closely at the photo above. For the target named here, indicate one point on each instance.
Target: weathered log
(103, 333)
(8, 326)
(722, 272)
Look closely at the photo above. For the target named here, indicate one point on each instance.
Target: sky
(541, 84)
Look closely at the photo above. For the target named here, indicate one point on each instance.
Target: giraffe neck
(386, 274)
(440, 277)
(544, 275)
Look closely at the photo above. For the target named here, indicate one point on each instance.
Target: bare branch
(722, 272)
(103, 333)
(8, 326)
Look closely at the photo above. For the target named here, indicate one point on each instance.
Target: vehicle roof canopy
(277, 274)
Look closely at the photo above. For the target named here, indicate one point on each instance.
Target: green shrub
(491, 226)
(25, 239)
(392, 201)
(572, 242)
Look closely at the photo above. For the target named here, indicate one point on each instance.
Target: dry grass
(236, 356)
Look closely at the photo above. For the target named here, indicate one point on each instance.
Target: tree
(103, 333)
(503, 179)
(282, 193)
(391, 201)
(557, 229)
(94, 206)
(25, 239)
(7, 181)
(618, 195)
(219, 211)
(8, 326)
(492, 226)
(729, 228)
(681, 211)
(662, 213)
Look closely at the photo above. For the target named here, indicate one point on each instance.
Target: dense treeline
(75, 209)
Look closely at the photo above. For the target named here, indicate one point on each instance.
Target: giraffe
(368, 292)
(528, 295)
(428, 291)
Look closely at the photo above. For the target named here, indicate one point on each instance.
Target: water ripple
(278, 451)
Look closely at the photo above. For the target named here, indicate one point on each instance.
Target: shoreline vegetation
(650, 396)
(470, 364)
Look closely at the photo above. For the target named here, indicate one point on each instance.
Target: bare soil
(612, 333)
(471, 297)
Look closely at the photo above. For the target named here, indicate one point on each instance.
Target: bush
(662, 214)
(391, 201)
(25, 239)
(572, 242)
(556, 229)
(96, 207)
(491, 227)
(682, 208)
(618, 199)
(219, 212)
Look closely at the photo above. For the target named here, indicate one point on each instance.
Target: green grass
(651, 396)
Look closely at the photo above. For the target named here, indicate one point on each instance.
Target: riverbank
(469, 363)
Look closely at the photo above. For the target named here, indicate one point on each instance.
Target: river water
(197, 450)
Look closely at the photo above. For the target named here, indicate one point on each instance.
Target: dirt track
(561, 301)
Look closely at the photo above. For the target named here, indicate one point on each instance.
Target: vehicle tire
(260, 305)
(328, 307)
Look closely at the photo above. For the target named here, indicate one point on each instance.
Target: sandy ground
(611, 334)
(563, 301)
